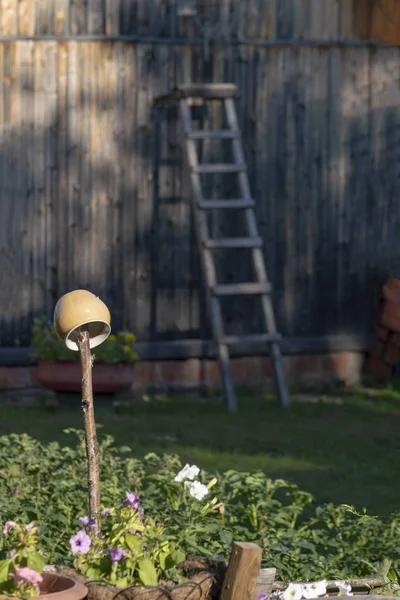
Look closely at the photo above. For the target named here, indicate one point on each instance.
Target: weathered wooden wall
(249, 18)
(92, 182)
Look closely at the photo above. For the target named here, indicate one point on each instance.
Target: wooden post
(265, 581)
(243, 570)
(92, 448)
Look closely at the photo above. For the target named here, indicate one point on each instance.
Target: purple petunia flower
(261, 596)
(80, 542)
(106, 512)
(87, 522)
(116, 554)
(132, 500)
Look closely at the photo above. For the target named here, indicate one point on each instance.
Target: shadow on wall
(94, 192)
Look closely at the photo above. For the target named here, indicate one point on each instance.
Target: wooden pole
(92, 448)
(243, 570)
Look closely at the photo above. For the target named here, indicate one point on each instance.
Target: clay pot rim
(76, 591)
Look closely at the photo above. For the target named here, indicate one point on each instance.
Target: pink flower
(80, 542)
(8, 525)
(28, 575)
(30, 526)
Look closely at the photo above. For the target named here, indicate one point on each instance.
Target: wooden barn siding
(92, 184)
(250, 18)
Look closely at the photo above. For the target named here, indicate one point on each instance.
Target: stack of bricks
(384, 357)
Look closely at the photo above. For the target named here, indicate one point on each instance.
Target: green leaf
(226, 537)
(134, 542)
(4, 566)
(147, 572)
(178, 556)
(35, 562)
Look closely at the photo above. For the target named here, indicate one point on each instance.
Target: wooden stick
(92, 447)
(243, 569)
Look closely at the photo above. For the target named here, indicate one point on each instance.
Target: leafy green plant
(303, 540)
(20, 570)
(119, 348)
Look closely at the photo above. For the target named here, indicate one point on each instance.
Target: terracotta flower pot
(66, 376)
(58, 587)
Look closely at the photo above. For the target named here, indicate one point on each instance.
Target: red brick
(266, 368)
(144, 373)
(246, 369)
(175, 371)
(335, 364)
(303, 364)
(15, 378)
(34, 376)
(210, 372)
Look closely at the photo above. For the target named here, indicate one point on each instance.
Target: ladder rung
(238, 289)
(219, 168)
(257, 338)
(246, 242)
(210, 204)
(221, 134)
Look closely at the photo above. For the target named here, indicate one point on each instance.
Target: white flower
(294, 591)
(344, 588)
(188, 472)
(196, 489)
(314, 589)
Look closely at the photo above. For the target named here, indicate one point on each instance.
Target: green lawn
(348, 452)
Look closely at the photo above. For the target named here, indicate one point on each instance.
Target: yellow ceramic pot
(78, 309)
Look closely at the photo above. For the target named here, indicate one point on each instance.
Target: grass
(340, 451)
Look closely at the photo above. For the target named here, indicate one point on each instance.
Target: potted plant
(21, 570)
(59, 368)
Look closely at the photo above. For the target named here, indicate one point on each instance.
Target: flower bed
(305, 542)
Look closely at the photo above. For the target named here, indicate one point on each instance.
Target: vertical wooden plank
(347, 18)
(382, 208)
(77, 17)
(112, 182)
(330, 211)
(323, 156)
(144, 271)
(60, 25)
(127, 62)
(87, 220)
(284, 19)
(289, 68)
(18, 321)
(96, 16)
(128, 17)
(73, 180)
(39, 215)
(96, 263)
(267, 199)
(355, 170)
(26, 17)
(308, 105)
(112, 25)
(50, 62)
(9, 17)
(63, 258)
(44, 17)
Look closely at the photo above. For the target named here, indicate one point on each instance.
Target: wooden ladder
(185, 95)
